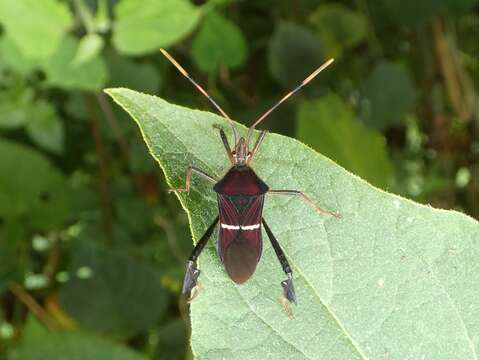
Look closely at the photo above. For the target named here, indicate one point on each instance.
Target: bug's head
(241, 152)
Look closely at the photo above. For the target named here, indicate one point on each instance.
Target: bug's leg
(225, 143)
(306, 198)
(189, 172)
(258, 142)
(288, 287)
(192, 273)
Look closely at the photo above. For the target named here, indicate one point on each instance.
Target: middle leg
(192, 272)
(306, 198)
(288, 287)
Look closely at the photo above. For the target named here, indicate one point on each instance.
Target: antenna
(185, 74)
(288, 95)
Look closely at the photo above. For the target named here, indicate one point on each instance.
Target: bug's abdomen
(240, 244)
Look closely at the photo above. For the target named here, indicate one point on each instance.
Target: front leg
(189, 172)
(306, 198)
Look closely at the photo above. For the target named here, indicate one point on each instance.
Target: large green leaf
(145, 26)
(35, 26)
(38, 343)
(390, 279)
(330, 126)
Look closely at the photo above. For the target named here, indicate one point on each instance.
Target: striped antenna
(185, 74)
(288, 95)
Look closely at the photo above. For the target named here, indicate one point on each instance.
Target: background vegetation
(89, 240)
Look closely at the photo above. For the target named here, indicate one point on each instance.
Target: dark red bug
(240, 195)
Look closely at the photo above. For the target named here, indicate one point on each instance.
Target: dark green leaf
(330, 126)
(389, 277)
(172, 342)
(40, 344)
(219, 42)
(131, 74)
(45, 127)
(15, 104)
(30, 186)
(145, 26)
(35, 26)
(290, 46)
(128, 297)
(388, 95)
(338, 27)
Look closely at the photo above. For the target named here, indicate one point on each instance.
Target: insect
(240, 196)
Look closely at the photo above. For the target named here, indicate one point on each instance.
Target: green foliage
(65, 71)
(36, 26)
(349, 143)
(38, 343)
(388, 95)
(289, 46)
(142, 27)
(338, 27)
(219, 42)
(119, 284)
(386, 264)
(90, 235)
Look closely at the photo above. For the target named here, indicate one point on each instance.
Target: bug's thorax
(241, 180)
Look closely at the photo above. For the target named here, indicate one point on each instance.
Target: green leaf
(388, 94)
(14, 58)
(330, 126)
(89, 48)
(15, 103)
(38, 343)
(60, 71)
(31, 187)
(412, 13)
(291, 45)
(45, 127)
(128, 294)
(389, 277)
(338, 27)
(36, 26)
(136, 75)
(145, 26)
(219, 42)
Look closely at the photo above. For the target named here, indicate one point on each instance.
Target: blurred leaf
(14, 58)
(60, 71)
(391, 276)
(141, 76)
(330, 126)
(145, 26)
(459, 7)
(338, 27)
(388, 95)
(412, 13)
(128, 297)
(219, 42)
(89, 48)
(290, 46)
(31, 186)
(45, 127)
(15, 102)
(172, 342)
(35, 26)
(40, 344)
(12, 241)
